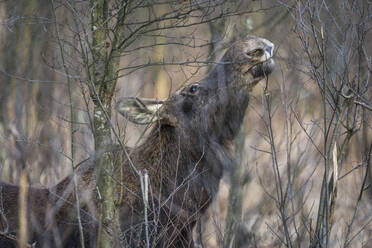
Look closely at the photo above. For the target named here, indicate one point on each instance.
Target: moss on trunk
(104, 78)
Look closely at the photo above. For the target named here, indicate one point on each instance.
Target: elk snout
(261, 57)
(261, 52)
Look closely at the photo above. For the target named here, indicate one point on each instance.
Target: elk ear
(139, 111)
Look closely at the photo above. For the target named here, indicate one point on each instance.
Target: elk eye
(193, 89)
(256, 52)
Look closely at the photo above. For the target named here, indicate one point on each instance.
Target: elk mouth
(261, 70)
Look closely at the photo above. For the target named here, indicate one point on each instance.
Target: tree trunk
(104, 78)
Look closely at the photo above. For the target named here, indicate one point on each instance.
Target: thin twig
(72, 131)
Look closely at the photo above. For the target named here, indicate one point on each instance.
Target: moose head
(213, 108)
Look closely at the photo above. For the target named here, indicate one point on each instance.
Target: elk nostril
(256, 52)
(269, 49)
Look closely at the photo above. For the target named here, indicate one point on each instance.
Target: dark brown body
(51, 213)
(184, 155)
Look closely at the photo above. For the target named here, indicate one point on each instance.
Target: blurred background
(304, 151)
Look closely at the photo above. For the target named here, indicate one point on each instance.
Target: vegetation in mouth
(262, 69)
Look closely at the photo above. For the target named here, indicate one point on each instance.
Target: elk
(184, 155)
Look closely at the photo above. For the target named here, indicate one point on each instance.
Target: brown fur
(184, 155)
